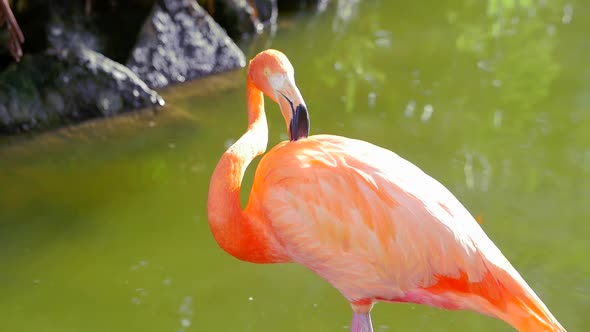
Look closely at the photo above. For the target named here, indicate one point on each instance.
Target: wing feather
(368, 221)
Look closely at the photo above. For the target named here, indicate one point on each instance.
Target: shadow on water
(103, 225)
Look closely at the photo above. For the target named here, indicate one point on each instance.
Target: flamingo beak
(292, 106)
(299, 123)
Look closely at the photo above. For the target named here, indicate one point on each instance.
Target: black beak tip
(299, 127)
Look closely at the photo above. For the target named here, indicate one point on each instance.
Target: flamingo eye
(266, 72)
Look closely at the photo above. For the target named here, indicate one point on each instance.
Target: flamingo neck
(253, 142)
(238, 233)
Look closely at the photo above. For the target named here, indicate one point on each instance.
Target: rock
(107, 27)
(291, 5)
(72, 31)
(267, 11)
(179, 42)
(54, 88)
(242, 18)
(237, 17)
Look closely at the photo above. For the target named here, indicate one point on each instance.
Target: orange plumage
(364, 219)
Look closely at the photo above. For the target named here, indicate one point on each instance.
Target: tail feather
(524, 310)
(500, 294)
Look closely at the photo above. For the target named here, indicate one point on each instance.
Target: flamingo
(369, 222)
(15, 37)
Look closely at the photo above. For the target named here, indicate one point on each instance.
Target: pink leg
(361, 322)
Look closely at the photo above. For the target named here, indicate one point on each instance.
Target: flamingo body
(363, 218)
(369, 222)
(380, 229)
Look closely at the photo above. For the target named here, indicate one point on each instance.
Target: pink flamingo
(15, 37)
(372, 224)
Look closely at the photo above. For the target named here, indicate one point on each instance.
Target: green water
(103, 226)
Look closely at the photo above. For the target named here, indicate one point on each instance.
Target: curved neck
(253, 142)
(237, 233)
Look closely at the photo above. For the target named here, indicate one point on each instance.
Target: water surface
(103, 226)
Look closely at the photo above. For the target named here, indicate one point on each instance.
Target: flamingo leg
(361, 322)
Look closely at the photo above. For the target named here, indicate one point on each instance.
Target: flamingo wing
(364, 218)
(377, 227)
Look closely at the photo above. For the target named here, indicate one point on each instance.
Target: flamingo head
(272, 73)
